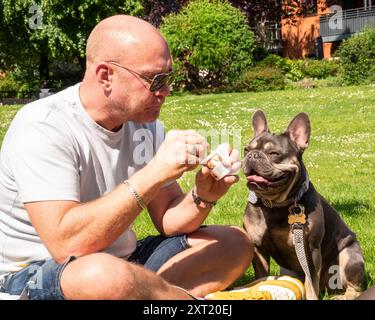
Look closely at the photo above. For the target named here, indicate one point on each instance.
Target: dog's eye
(274, 153)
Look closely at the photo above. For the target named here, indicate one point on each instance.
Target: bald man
(78, 167)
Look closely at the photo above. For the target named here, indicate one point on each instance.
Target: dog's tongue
(257, 179)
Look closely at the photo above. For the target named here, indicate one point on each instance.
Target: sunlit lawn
(340, 158)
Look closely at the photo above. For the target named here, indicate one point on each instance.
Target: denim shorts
(41, 279)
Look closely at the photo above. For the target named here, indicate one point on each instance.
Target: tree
(34, 35)
(210, 43)
(259, 11)
(155, 10)
(48, 40)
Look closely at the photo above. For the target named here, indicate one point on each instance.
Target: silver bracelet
(141, 203)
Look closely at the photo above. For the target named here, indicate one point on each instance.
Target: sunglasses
(156, 83)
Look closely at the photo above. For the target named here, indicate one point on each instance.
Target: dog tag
(301, 219)
(297, 214)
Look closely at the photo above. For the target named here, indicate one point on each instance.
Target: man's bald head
(122, 38)
(123, 54)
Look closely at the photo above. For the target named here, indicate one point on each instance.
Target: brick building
(319, 27)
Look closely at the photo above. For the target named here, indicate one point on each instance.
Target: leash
(297, 220)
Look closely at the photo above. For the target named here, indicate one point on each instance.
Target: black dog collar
(253, 198)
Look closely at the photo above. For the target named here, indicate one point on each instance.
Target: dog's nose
(254, 155)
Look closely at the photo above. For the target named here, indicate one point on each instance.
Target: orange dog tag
(293, 218)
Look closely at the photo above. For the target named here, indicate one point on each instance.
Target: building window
(309, 7)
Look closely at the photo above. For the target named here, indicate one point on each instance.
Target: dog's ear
(259, 123)
(299, 130)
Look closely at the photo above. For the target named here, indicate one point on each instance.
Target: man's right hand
(181, 151)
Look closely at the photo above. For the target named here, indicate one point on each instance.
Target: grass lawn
(340, 158)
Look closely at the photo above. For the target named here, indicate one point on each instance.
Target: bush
(8, 83)
(273, 60)
(296, 70)
(291, 68)
(210, 43)
(357, 56)
(14, 85)
(260, 53)
(305, 83)
(320, 69)
(261, 79)
(309, 83)
(337, 81)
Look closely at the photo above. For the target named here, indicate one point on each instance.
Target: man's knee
(240, 242)
(233, 240)
(98, 276)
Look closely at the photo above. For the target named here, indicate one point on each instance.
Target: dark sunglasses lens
(159, 81)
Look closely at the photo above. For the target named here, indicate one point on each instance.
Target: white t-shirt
(53, 150)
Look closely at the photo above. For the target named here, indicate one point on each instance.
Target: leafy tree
(56, 47)
(357, 56)
(259, 11)
(155, 10)
(31, 37)
(210, 43)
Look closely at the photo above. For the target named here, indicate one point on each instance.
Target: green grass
(7, 113)
(340, 158)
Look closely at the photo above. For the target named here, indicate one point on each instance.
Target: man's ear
(299, 130)
(104, 76)
(259, 123)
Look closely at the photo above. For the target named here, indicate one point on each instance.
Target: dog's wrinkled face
(273, 162)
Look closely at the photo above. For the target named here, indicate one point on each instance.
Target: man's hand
(181, 151)
(210, 189)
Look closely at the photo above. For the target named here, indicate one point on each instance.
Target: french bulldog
(279, 184)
